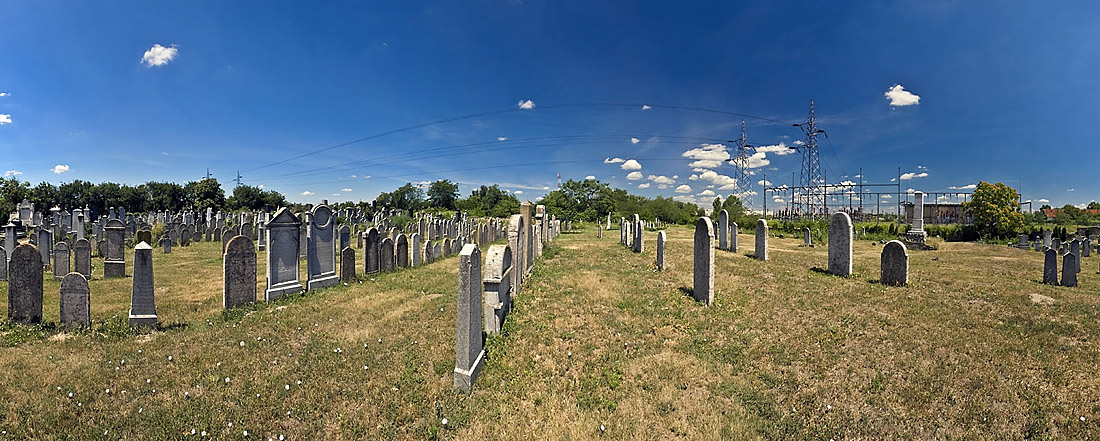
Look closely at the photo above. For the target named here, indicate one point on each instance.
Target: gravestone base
(323, 281)
(114, 269)
(281, 289)
(143, 320)
(464, 379)
(916, 240)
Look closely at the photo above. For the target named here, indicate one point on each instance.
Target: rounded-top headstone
(840, 244)
(75, 300)
(895, 264)
(25, 285)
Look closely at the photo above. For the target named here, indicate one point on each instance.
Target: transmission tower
(238, 180)
(741, 161)
(811, 197)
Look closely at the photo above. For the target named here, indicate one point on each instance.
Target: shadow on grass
(688, 292)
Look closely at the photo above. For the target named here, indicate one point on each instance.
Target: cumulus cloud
(5, 119)
(346, 190)
(590, 178)
(502, 138)
(159, 55)
(661, 179)
(646, 107)
(643, 186)
(261, 186)
(723, 182)
(1043, 201)
(963, 187)
(763, 182)
(911, 175)
(899, 97)
(635, 140)
(1071, 189)
(706, 193)
(683, 189)
(307, 193)
(693, 177)
(707, 155)
(778, 149)
(757, 160)
(518, 192)
(60, 168)
(613, 160)
(12, 173)
(634, 176)
(526, 104)
(887, 196)
(631, 164)
(4, 94)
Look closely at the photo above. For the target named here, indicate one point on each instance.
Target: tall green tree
(407, 197)
(489, 201)
(996, 210)
(206, 193)
(443, 194)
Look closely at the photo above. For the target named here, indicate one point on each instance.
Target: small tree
(996, 210)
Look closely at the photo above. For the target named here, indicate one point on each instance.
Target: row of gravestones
(894, 260)
(1072, 253)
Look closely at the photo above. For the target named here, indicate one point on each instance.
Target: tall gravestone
(114, 264)
(807, 239)
(894, 264)
(321, 254)
(733, 236)
(75, 300)
(372, 246)
(344, 233)
(661, 250)
(428, 253)
(143, 309)
(385, 255)
(401, 251)
(723, 230)
(1050, 266)
(1075, 249)
(840, 244)
(703, 287)
(469, 342)
(1069, 269)
(761, 239)
(3, 263)
(9, 237)
(82, 257)
(282, 255)
(639, 235)
(61, 261)
(414, 249)
(25, 285)
(347, 264)
(45, 247)
(239, 273)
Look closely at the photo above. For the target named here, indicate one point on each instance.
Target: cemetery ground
(598, 344)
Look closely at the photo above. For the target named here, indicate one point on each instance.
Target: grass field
(598, 345)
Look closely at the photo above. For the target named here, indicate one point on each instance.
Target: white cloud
(538, 198)
(893, 179)
(1071, 189)
(675, 176)
(336, 194)
(60, 168)
(661, 179)
(159, 55)
(1043, 201)
(722, 181)
(366, 177)
(631, 164)
(683, 189)
(763, 182)
(5, 94)
(5, 119)
(518, 192)
(921, 167)
(526, 105)
(346, 190)
(590, 178)
(963, 187)
(354, 176)
(1082, 206)
(898, 96)
(910, 191)
(307, 193)
(12, 173)
(943, 198)
(757, 160)
(693, 177)
(707, 155)
(634, 176)
(613, 161)
(911, 175)
(545, 188)
(706, 193)
(887, 196)
(646, 107)
(635, 140)
(779, 200)
(662, 186)
(778, 149)
(502, 138)
(643, 186)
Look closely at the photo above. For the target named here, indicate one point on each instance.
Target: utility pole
(238, 180)
(741, 162)
(811, 163)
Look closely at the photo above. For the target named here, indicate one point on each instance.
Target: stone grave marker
(143, 310)
(414, 248)
(723, 230)
(75, 300)
(703, 287)
(3, 264)
(386, 255)
(497, 287)
(402, 251)
(733, 236)
(114, 264)
(239, 273)
(840, 244)
(761, 239)
(82, 258)
(372, 246)
(347, 264)
(894, 264)
(1050, 266)
(25, 285)
(61, 261)
(321, 252)
(282, 255)
(469, 341)
(661, 250)
(1069, 269)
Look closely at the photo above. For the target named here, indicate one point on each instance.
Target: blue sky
(166, 90)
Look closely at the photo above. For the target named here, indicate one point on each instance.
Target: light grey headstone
(321, 252)
(414, 248)
(761, 239)
(1069, 269)
(282, 255)
(239, 273)
(497, 287)
(661, 250)
(733, 236)
(807, 238)
(45, 247)
(1050, 266)
(894, 264)
(75, 300)
(347, 264)
(61, 261)
(703, 287)
(840, 244)
(82, 258)
(143, 309)
(469, 341)
(25, 285)
(114, 263)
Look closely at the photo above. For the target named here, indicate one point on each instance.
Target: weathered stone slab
(661, 250)
(239, 273)
(703, 287)
(497, 287)
(321, 252)
(372, 246)
(723, 230)
(75, 300)
(61, 261)
(114, 263)
(761, 239)
(733, 236)
(3, 264)
(1075, 249)
(347, 264)
(82, 258)
(143, 310)
(386, 255)
(469, 341)
(1069, 269)
(25, 285)
(414, 248)
(282, 255)
(840, 244)
(894, 263)
(402, 251)
(1050, 266)
(639, 235)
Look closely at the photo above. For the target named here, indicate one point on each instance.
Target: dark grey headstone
(385, 255)
(82, 258)
(61, 261)
(347, 264)
(402, 251)
(840, 244)
(1069, 269)
(894, 263)
(1050, 266)
(723, 229)
(143, 310)
(372, 244)
(761, 239)
(703, 287)
(661, 250)
(25, 285)
(114, 264)
(282, 255)
(321, 249)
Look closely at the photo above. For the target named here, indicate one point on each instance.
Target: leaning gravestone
(347, 264)
(895, 263)
(75, 300)
(723, 230)
(143, 309)
(840, 244)
(661, 250)
(1050, 266)
(469, 343)
(282, 255)
(82, 258)
(703, 288)
(321, 250)
(385, 255)
(114, 265)
(402, 251)
(25, 285)
(761, 239)
(1069, 269)
(61, 261)
(239, 273)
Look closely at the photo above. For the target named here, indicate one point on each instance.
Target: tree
(489, 201)
(583, 200)
(206, 193)
(1094, 205)
(996, 210)
(12, 192)
(443, 194)
(407, 197)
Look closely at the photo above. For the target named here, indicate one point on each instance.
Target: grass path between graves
(598, 345)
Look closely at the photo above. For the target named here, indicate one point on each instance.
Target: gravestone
(808, 240)
(437, 250)
(185, 236)
(101, 248)
(761, 239)
(144, 236)
(703, 287)
(114, 264)
(167, 243)
(733, 236)
(723, 230)
(1069, 269)
(894, 264)
(321, 252)
(840, 244)
(385, 255)
(1075, 249)
(282, 255)
(75, 300)
(1046, 238)
(428, 250)
(143, 310)
(218, 234)
(639, 235)
(3, 264)
(469, 342)
(497, 287)
(372, 245)
(344, 233)
(45, 247)
(661, 250)
(414, 248)
(239, 273)
(228, 236)
(61, 261)
(402, 251)
(347, 264)
(1086, 247)
(25, 285)
(9, 237)
(82, 258)
(1050, 266)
